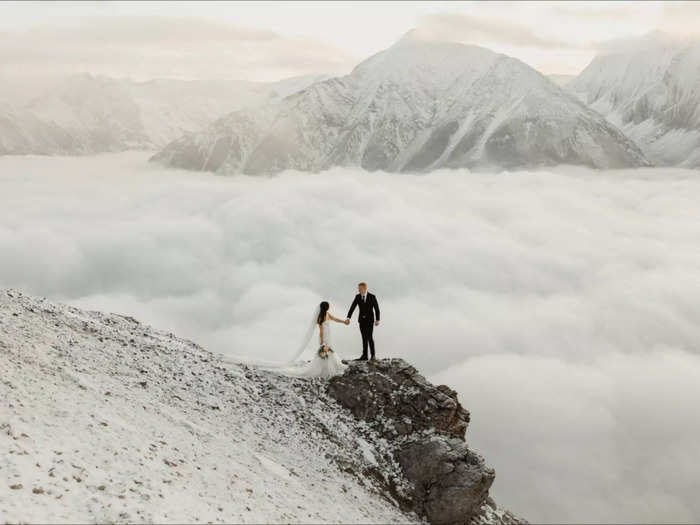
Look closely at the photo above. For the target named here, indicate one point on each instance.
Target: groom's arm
(352, 308)
(376, 308)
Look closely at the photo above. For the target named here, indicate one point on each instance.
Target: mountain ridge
(112, 420)
(86, 113)
(415, 106)
(651, 91)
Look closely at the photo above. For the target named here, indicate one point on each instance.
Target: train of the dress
(317, 367)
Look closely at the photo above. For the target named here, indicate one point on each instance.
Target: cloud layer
(561, 304)
(42, 42)
(561, 37)
(146, 47)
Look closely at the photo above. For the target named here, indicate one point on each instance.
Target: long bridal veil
(281, 362)
(327, 367)
(308, 334)
(330, 366)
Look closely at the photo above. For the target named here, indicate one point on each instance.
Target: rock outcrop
(426, 425)
(391, 392)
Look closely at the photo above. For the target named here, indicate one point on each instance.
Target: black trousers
(366, 330)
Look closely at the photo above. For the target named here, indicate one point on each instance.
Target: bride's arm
(321, 334)
(333, 318)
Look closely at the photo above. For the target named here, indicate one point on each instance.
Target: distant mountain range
(414, 107)
(88, 114)
(652, 93)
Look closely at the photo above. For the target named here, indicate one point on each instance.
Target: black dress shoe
(372, 358)
(363, 358)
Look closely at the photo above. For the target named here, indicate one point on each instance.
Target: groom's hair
(362, 284)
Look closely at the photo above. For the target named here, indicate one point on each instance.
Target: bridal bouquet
(324, 351)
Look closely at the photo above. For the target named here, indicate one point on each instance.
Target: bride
(326, 362)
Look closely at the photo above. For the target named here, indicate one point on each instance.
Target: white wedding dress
(318, 366)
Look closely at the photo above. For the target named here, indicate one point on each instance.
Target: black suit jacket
(368, 308)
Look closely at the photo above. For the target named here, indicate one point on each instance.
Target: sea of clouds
(563, 305)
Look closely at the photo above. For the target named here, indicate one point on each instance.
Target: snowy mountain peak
(419, 63)
(111, 420)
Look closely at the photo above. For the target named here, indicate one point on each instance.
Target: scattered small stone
(37, 490)
(101, 487)
(17, 486)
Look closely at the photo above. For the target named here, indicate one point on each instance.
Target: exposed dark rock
(426, 425)
(451, 482)
(393, 391)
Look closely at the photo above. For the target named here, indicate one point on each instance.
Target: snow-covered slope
(561, 80)
(107, 419)
(276, 91)
(21, 132)
(651, 90)
(413, 107)
(87, 114)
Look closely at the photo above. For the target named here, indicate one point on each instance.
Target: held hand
(376, 323)
(347, 321)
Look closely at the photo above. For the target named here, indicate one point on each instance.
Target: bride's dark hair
(322, 309)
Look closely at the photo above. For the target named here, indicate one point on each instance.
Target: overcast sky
(269, 41)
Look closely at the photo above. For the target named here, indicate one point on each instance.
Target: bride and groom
(327, 363)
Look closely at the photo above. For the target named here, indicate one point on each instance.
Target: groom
(368, 306)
